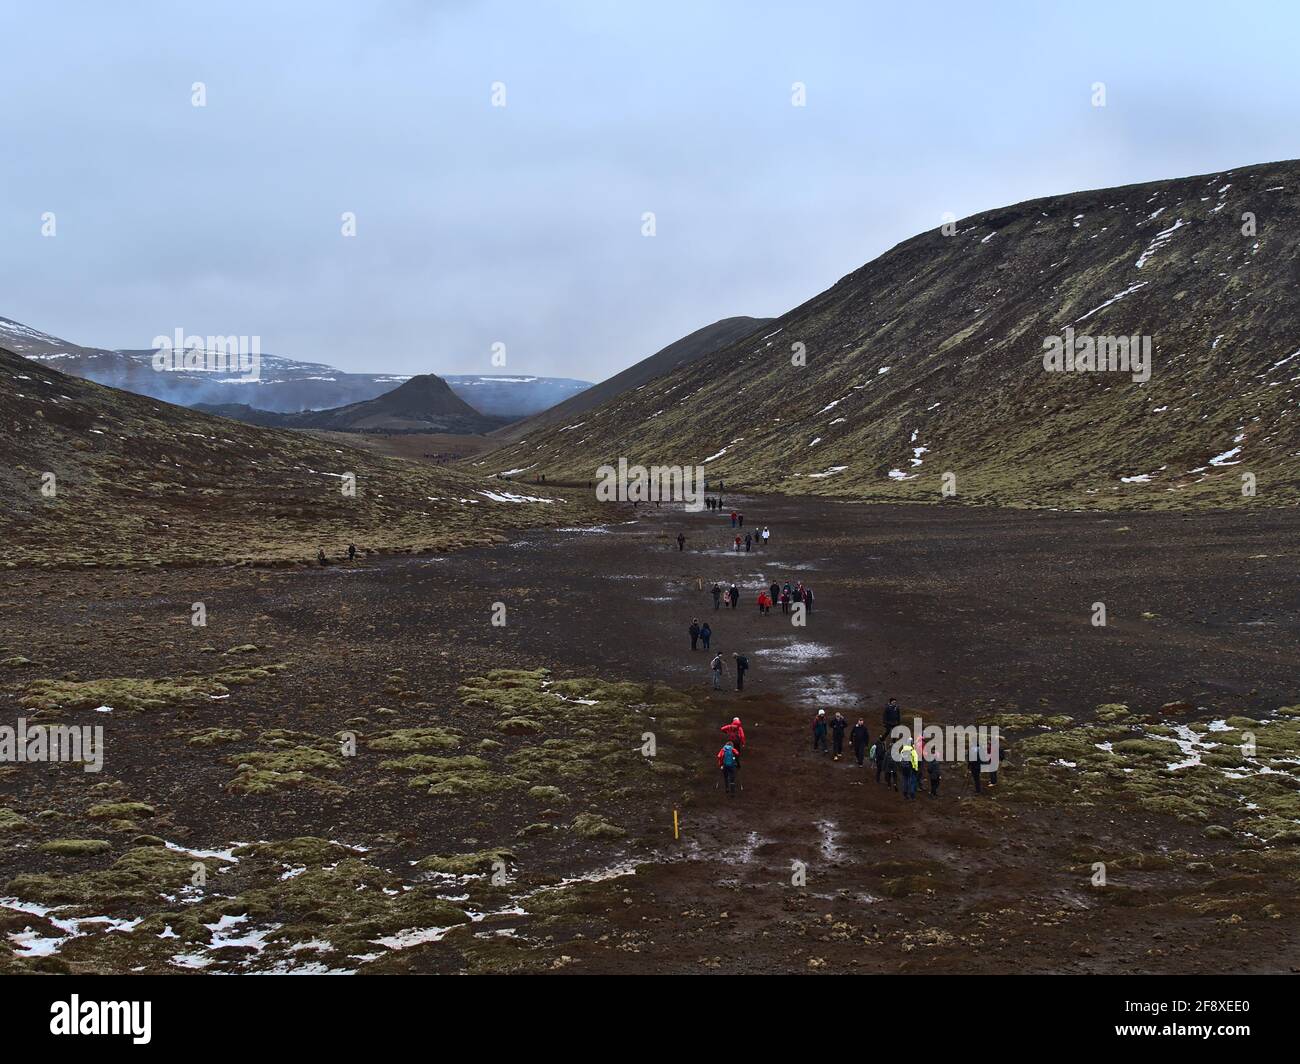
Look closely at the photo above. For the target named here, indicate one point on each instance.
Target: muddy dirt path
(956, 612)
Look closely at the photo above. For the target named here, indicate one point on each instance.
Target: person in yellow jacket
(911, 765)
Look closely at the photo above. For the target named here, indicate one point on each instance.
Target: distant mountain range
(285, 385)
(422, 404)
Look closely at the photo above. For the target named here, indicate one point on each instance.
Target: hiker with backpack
(909, 765)
(728, 762)
(819, 732)
(735, 733)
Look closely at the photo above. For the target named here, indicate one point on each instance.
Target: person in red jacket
(734, 732)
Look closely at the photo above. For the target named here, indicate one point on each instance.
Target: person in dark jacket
(776, 591)
(694, 631)
(807, 600)
(706, 633)
(891, 763)
(975, 764)
(838, 726)
(893, 714)
(352, 552)
(935, 769)
(735, 596)
(819, 732)
(748, 542)
(716, 592)
(742, 667)
(878, 754)
(681, 541)
(858, 737)
(910, 768)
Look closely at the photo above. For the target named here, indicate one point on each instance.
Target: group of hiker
(751, 540)
(322, 560)
(786, 596)
(718, 669)
(901, 760)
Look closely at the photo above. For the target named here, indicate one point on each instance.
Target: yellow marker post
(676, 832)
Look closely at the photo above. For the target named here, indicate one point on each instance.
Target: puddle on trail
(796, 653)
(829, 846)
(829, 690)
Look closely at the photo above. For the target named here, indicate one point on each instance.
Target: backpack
(729, 756)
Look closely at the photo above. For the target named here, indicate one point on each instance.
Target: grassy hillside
(929, 360)
(140, 482)
(677, 354)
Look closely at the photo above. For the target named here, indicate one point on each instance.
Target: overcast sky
(522, 224)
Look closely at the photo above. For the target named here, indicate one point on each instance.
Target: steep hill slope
(138, 482)
(285, 385)
(422, 404)
(930, 360)
(677, 354)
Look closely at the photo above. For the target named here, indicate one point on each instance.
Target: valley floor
(467, 755)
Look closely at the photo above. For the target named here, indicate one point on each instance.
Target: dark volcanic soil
(956, 612)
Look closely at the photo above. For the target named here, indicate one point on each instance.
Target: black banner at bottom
(302, 1013)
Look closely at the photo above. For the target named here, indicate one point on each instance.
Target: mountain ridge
(928, 361)
(678, 353)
